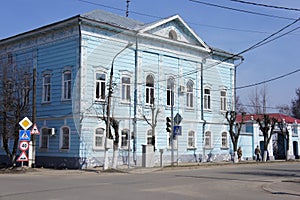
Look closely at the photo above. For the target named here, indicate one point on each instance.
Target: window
(46, 88)
(224, 140)
(149, 137)
(149, 90)
(100, 86)
(295, 130)
(207, 139)
(44, 139)
(172, 35)
(99, 138)
(223, 101)
(126, 89)
(189, 95)
(65, 138)
(170, 91)
(124, 140)
(66, 85)
(207, 99)
(191, 139)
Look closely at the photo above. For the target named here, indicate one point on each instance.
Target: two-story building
(159, 70)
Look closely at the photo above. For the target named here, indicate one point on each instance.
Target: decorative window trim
(149, 91)
(101, 84)
(95, 147)
(170, 90)
(46, 91)
(125, 89)
(66, 95)
(61, 139)
(194, 146)
(190, 95)
(44, 133)
(208, 146)
(226, 146)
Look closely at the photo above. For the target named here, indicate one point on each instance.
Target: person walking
(257, 153)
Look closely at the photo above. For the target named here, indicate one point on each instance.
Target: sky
(230, 25)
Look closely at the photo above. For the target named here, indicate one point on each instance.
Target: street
(241, 181)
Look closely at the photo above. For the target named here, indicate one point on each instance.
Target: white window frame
(124, 138)
(190, 94)
(66, 85)
(62, 138)
(100, 137)
(207, 139)
(44, 138)
(223, 99)
(100, 86)
(149, 137)
(46, 88)
(207, 99)
(191, 140)
(224, 140)
(126, 89)
(149, 90)
(170, 91)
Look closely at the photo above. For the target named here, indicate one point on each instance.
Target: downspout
(202, 113)
(79, 82)
(135, 99)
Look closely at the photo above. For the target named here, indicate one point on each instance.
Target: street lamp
(110, 91)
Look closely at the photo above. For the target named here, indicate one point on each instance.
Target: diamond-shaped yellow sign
(25, 123)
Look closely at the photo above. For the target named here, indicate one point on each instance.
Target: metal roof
(113, 19)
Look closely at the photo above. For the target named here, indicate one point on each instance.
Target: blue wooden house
(159, 70)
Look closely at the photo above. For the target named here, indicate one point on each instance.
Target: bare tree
(266, 126)
(239, 107)
(295, 107)
(234, 130)
(15, 104)
(153, 123)
(258, 101)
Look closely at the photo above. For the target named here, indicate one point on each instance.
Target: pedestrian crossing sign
(24, 135)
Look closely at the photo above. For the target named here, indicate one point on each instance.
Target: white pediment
(174, 28)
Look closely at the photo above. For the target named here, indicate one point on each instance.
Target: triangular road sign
(35, 130)
(23, 157)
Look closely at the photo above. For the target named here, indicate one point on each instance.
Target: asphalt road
(243, 181)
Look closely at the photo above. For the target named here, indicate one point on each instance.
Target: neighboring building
(251, 136)
(73, 59)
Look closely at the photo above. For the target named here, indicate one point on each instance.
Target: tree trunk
(115, 156)
(235, 157)
(265, 155)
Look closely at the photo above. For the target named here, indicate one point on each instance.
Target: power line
(265, 5)
(267, 81)
(241, 10)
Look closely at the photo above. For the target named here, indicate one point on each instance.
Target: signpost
(24, 138)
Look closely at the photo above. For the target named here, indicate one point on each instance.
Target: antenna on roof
(127, 6)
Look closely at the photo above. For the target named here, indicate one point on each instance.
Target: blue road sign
(177, 130)
(24, 135)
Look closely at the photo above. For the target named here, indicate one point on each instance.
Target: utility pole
(32, 164)
(110, 91)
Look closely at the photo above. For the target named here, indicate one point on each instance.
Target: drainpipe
(135, 100)
(202, 113)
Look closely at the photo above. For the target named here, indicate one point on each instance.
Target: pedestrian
(257, 153)
(239, 153)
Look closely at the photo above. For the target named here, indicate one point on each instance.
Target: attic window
(172, 35)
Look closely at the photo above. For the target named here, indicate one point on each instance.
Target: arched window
(191, 139)
(172, 35)
(224, 140)
(170, 91)
(190, 94)
(207, 139)
(65, 138)
(149, 89)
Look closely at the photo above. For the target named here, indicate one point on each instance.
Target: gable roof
(158, 23)
(278, 116)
